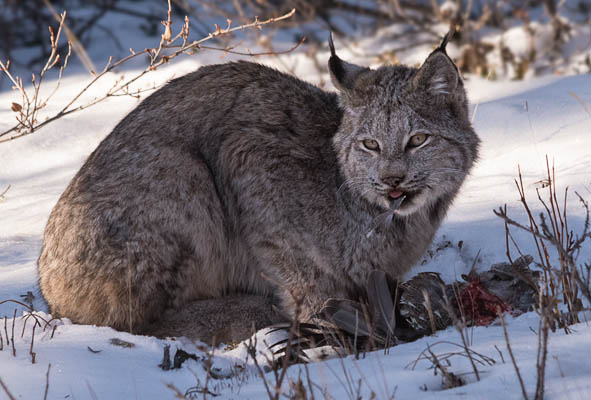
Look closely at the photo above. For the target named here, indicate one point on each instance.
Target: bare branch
(27, 111)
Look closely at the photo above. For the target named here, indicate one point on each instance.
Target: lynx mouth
(395, 194)
(396, 199)
(399, 200)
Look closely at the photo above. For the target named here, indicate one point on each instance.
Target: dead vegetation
(420, 23)
(562, 290)
(565, 283)
(3, 194)
(29, 314)
(28, 109)
(38, 321)
(557, 294)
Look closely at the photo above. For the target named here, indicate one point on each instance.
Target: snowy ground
(519, 124)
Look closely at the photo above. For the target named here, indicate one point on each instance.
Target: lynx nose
(393, 180)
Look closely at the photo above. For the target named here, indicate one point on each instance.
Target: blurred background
(496, 39)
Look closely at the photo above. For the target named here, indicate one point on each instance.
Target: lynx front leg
(302, 286)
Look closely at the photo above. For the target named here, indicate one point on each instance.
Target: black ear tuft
(448, 36)
(439, 75)
(333, 53)
(335, 65)
(342, 73)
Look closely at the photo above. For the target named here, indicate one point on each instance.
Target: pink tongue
(395, 194)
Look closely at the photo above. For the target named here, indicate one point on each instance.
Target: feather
(380, 301)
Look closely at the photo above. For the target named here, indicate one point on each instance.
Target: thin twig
(460, 325)
(177, 393)
(252, 352)
(47, 382)
(500, 354)
(12, 335)
(31, 352)
(450, 380)
(523, 392)
(3, 194)
(543, 333)
(6, 331)
(581, 102)
(10, 396)
(30, 310)
(255, 54)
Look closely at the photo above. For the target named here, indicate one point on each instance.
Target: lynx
(239, 181)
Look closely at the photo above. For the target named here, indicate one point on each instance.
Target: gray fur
(237, 178)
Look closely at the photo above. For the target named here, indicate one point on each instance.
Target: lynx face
(405, 141)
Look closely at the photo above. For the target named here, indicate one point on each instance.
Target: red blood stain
(479, 306)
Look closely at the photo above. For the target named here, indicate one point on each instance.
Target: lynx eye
(371, 144)
(418, 139)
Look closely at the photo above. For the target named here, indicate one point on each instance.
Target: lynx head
(405, 142)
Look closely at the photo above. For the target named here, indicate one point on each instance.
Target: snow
(519, 122)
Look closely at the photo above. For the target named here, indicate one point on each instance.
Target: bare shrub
(564, 281)
(170, 46)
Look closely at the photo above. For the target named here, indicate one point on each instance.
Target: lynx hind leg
(115, 254)
(224, 320)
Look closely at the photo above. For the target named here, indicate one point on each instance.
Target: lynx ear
(438, 75)
(342, 73)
